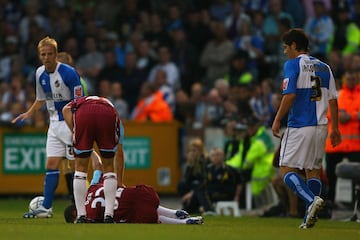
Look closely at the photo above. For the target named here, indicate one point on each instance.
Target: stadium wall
(151, 157)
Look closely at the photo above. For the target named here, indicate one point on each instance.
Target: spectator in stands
(239, 97)
(165, 63)
(183, 108)
(71, 46)
(296, 9)
(213, 111)
(133, 42)
(186, 57)
(220, 9)
(14, 98)
(235, 20)
(197, 31)
(319, 28)
(114, 43)
(260, 102)
(217, 54)
(32, 16)
(167, 92)
(111, 70)
(335, 61)
(223, 181)
(157, 36)
(247, 41)
(270, 27)
(151, 105)
(146, 57)
(192, 187)
(197, 102)
(223, 88)
(174, 18)
(11, 48)
(117, 100)
(131, 78)
(90, 63)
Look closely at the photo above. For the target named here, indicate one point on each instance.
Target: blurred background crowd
(213, 62)
(212, 59)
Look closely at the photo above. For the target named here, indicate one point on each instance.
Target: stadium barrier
(151, 157)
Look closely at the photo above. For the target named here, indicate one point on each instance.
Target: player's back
(137, 204)
(133, 204)
(313, 83)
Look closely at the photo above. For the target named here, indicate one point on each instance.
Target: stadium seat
(227, 208)
(351, 170)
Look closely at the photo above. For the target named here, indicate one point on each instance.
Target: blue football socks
(315, 186)
(298, 185)
(50, 184)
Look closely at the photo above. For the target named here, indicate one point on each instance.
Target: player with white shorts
(308, 91)
(56, 85)
(303, 147)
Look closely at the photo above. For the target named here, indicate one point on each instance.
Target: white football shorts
(59, 140)
(303, 148)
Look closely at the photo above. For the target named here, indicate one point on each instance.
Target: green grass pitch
(13, 226)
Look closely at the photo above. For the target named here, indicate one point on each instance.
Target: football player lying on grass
(136, 204)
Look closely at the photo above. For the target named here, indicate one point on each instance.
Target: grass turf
(13, 226)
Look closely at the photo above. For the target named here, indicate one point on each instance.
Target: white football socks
(80, 191)
(110, 187)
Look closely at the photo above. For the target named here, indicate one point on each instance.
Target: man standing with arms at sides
(94, 119)
(56, 84)
(308, 91)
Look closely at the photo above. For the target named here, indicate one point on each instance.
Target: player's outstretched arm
(34, 107)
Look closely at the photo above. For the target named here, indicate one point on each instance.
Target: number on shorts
(316, 96)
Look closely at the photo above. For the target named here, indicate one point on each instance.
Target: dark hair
(70, 214)
(298, 36)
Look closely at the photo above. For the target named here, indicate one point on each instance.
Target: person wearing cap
(319, 28)
(255, 157)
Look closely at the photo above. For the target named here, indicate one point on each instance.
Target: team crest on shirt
(285, 84)
(57, 83)
(78, 91)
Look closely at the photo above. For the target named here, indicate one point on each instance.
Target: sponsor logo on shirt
(285, 84)
(78, 91)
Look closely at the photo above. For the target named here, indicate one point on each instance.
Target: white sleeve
(40, 95)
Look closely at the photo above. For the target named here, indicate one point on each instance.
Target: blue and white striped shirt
(57, 88)
(313, 83)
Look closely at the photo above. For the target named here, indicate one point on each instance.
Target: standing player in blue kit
(308, 91)
(56, 84)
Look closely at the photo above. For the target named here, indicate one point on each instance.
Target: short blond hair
(65, 57)
(47, 41)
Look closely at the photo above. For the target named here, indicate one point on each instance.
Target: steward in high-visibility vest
(349, 127)
(152, 106)
(258, 158)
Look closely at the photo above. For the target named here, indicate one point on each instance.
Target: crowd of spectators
(210, 59)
